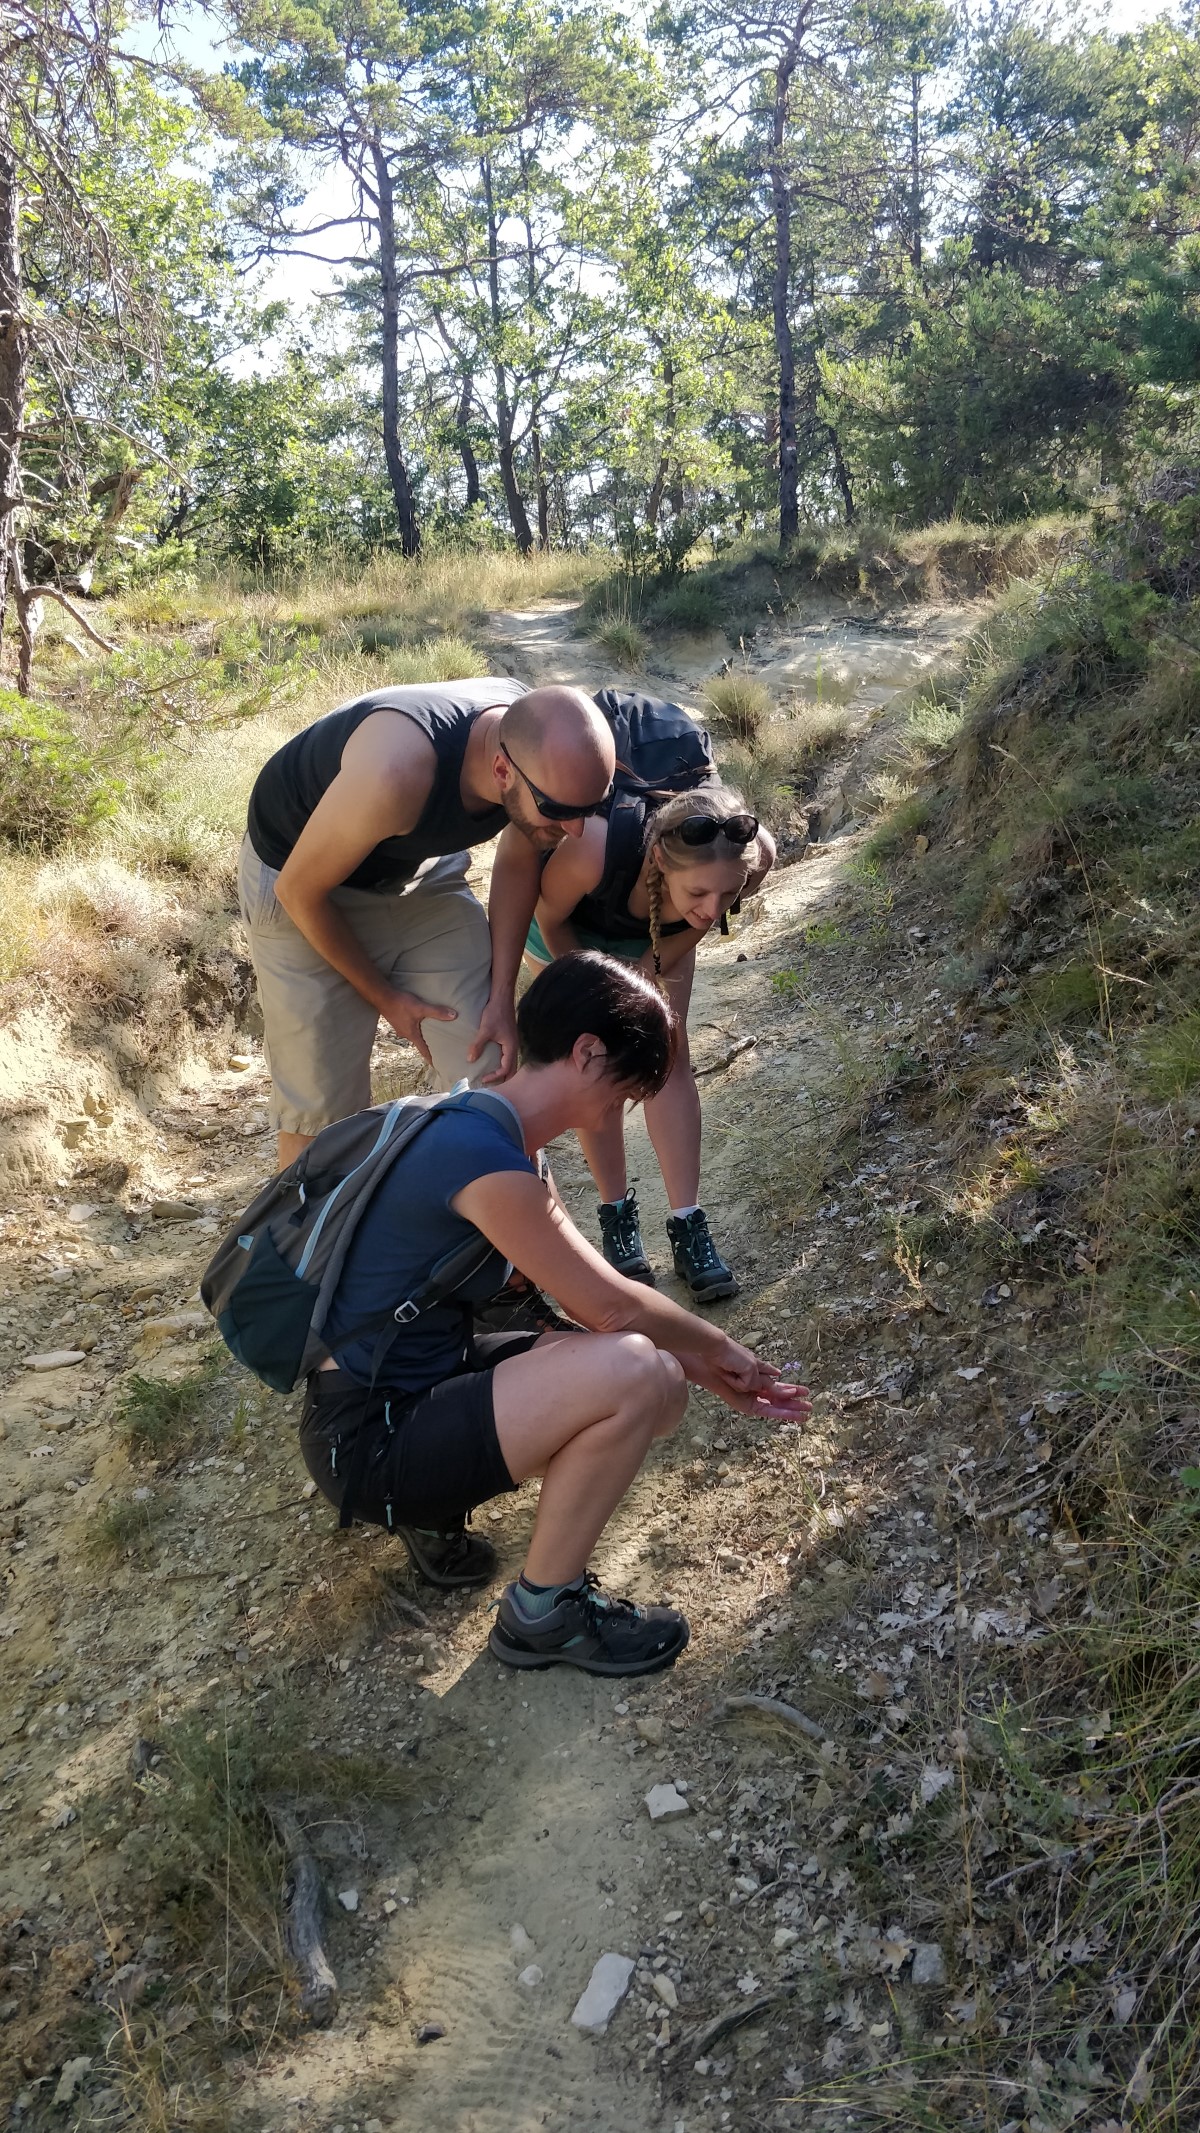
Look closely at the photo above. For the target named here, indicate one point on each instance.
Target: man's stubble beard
(542, 835)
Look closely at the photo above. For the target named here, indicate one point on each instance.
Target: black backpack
(272, 1279)
(660, 751)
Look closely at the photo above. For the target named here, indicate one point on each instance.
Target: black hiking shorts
(409, 1459)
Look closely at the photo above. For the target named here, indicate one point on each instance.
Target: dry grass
(775, 768)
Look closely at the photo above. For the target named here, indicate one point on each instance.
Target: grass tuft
(159, 1416)
(741, 705)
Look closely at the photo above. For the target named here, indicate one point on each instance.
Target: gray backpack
(272, 1279)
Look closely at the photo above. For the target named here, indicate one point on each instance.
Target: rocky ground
(816, 1933)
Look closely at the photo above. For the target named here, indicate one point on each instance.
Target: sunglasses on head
(558, 810)
(705, 829)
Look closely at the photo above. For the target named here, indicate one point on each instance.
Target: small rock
(531, 1976)
(784, 1937)
(372, 2125)
(239, 1061)
(672, 1918)
(348, 1898)
(56, 1359)
(429, 2032)
(929, 1964)
(665, 1988)
(71, 2080)
(822, 1798)
(156, 1330)
(206, 1133)
(603, 1993)
(82, 1211)
(61, 1423)
(174, 1210)
(664, 1801)
(309, 1490)
(651, 1730)
(520, 1942)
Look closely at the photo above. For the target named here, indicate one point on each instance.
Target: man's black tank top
(292, 781)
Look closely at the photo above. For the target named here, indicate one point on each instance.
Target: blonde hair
(715, 801)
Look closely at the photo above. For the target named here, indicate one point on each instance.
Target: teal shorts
(626, 951)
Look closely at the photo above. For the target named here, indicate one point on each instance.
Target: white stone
(348, 1898)
(784, 1937)
(603, 1994)
(56, 1359)
(665, 1988)
(70, 2080)
(929, 1964)
(664, 1801)
(82, 1211)
(531, 1976)
(520, 1942)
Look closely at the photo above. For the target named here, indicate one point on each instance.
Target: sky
(194, 38)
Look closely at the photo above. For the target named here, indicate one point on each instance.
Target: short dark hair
(588, 994)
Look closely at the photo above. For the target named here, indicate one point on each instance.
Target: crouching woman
(461, 1420)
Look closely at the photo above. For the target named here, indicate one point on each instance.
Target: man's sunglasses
(560, 810)
(705, 829)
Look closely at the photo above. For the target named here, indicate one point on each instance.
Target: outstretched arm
(573, 870)
(516, 1214)
(516, 873)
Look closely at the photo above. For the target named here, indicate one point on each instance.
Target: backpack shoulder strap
(622, 858)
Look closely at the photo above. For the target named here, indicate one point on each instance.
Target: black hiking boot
(455, 1557)
(589, 1629)
(621, 1239)
(697, 1260)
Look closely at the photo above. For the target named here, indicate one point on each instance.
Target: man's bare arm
(516, 874)
(386, 777)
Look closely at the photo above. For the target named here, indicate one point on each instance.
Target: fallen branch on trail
(774, 1708)
(718, 1066)
(701, 2040)
(318, 1997)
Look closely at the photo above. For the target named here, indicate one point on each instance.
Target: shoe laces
(622, 1227)
(698, 1242)
(602, 1610)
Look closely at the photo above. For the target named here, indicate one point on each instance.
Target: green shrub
(690, 604)
(51, 789)
(1171, 1058)
(741, 704)
(622, 642)
(159, 1415)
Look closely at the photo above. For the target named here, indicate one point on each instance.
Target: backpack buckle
(405, 1313)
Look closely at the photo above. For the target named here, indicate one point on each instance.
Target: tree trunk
(781, 281)
(914, 174)
(506, 450)
(543, 494)
(14, 360)
(842, 475)
(402, 495)
(465, 450)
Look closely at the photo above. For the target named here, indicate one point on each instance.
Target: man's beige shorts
(429, 937)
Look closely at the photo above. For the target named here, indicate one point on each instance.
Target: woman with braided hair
(647, 884)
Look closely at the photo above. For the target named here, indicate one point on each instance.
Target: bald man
(353, 881)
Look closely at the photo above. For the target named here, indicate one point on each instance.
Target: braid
(654, 885)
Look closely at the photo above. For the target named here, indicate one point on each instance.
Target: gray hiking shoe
(450, 1559)
(589, 1629)
(697, 1260)
(621, 1239)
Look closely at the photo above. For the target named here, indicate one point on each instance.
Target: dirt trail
(225, 1583)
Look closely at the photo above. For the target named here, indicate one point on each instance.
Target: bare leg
(673, 1116)
(604, 1154)
(290, 1145)
(582, 1410)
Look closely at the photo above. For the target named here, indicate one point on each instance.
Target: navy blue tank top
(296, 777)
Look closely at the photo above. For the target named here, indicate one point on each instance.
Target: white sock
(681, 1213)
